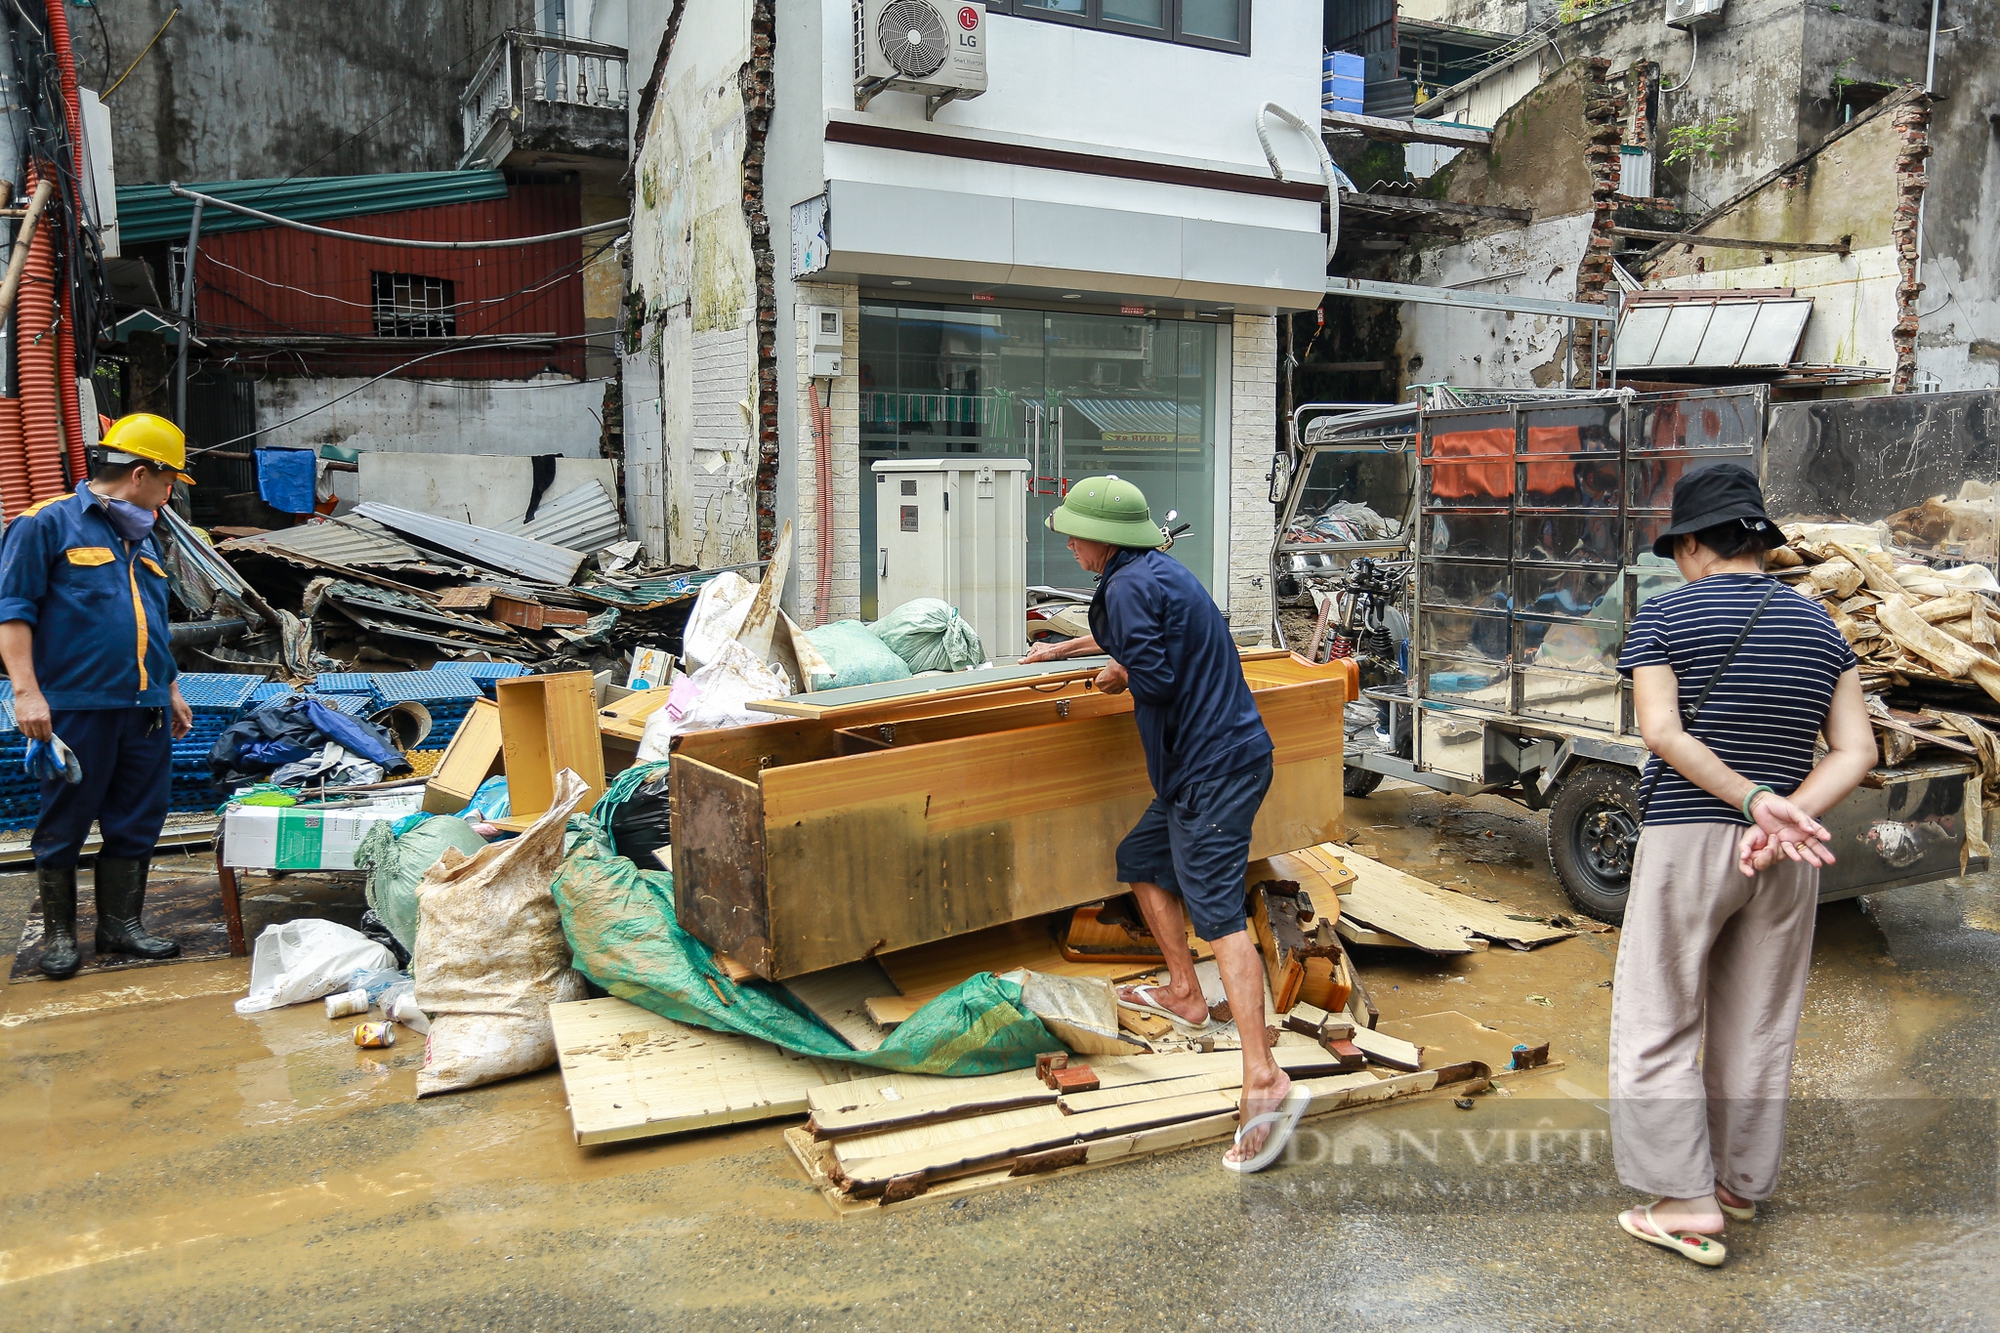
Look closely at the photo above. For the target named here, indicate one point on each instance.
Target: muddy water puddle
(174, 1165)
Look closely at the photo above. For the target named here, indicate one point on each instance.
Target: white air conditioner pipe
(1326, 167)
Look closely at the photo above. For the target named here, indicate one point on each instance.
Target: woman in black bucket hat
(1734, 679)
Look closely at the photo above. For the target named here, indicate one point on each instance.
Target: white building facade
(1080, 267)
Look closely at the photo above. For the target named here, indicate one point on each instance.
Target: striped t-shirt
(1764, 716)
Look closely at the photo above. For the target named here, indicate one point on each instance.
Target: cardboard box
(290, 837)
(651, 668)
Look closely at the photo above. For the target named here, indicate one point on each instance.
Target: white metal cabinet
(956, 529)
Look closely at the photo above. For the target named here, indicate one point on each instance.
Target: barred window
(409, 305)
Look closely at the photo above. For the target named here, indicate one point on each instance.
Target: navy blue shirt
(1196, 715)
(97, 604)
(1765, 715)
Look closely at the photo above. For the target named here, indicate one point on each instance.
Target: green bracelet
(1750, 796)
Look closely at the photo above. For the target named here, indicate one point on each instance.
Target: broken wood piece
(1091, 939)
(1347, 1055)
(1150, 1027)
(520, 612)
(1277, 918)
(1073, 1078)
(1049, 1159)
(732, 969)
(1402, 903)
(1359, 1005)
(1384, 1049)
(1231, 1081)
(1530, 1056)
(889, 1010)
(838, 997)
(903, 1187)
(476, 597)
(1306, 1019)
(1947, 654)
(1047, 1063)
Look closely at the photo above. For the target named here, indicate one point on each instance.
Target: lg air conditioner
(1694, 14)
(934, 47)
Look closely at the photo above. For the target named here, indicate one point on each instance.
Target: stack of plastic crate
(20, 795)
(485, 674)
(217, 699)
(447, 695)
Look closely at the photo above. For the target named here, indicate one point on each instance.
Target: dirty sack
(720, 610)
(490, 956)
(397, 862)
(634, 811)
(305, 959)
(288, 730)
(723, 690)
(621, 926)
(856, 656)
(930, 635)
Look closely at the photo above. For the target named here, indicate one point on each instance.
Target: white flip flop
(1282, 1121)
(1702, 1249)
(1746, 1214)
(1146, 1005)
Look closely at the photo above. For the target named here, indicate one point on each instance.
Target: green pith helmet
(1107, 509)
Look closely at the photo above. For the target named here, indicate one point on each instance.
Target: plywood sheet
(1383, 888)
(632, 1074)
(838, 997)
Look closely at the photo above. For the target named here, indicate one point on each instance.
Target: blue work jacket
(1195, 712)
(97, 604)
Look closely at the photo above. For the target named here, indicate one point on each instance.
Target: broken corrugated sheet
(646, 594)
(585, 519)
(347, 540)
(505, 551)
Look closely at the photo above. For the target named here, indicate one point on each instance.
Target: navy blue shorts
(128, 766)
(1197, 846)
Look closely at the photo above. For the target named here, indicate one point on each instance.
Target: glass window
(1222, 25)
(1074, 394)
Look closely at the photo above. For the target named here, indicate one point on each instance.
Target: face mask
(128, 520)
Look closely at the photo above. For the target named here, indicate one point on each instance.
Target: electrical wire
(404, 242)
(559, 275)
(442, 351)
(1695, 35)
(141, 56)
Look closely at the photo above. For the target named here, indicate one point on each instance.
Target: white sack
(724, 689)
(305, 959)
(491, 956)
(719, 610)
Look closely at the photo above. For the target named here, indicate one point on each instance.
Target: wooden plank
(1389, 1050)
(1103, 1099)
(630, 1073)
(625, 719)
(889, 1010)
(1385, 902)
(1289, 948)
(471, 757)
(838, 997)
(1385, 130)
(718, 821)
(1491, 920)
(1840, 247)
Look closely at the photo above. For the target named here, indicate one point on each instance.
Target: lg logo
(968, 18)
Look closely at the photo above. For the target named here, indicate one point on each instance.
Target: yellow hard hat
(149, 438)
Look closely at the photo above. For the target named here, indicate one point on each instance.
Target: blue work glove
(51, 760)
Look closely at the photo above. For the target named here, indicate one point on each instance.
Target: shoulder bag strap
(1690, 711)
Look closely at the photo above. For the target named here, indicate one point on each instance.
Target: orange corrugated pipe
(66, 66)
(65, 351)
(35, 366)
(16, 493)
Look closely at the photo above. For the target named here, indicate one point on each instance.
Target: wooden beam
(1386, 130)
(1845, 245)
(1410, 205)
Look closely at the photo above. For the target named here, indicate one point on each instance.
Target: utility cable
(275, 220)
(141, 56)
(1326, 167)
(1695, 35)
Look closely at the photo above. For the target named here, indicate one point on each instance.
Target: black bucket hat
(1713, 496)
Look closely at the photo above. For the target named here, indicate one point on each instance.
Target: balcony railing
(527, 69)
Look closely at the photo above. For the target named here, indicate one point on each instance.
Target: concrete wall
(1485, 15)
(1485, 349)
(484, 489)
(240, 88)
(694, 280)
(519, 418)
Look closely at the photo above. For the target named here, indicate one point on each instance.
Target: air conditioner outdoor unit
(935, 47)
(1694, 14)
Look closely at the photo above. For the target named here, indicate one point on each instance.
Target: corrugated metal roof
(343, 541)
(503, 551)
(149, 213)
(585, 519)
(645, 594)
(1717, 332)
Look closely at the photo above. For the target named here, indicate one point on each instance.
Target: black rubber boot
(59, 956)
(121, 896)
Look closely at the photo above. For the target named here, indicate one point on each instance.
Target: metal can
(346, 1004)
(375, 1034)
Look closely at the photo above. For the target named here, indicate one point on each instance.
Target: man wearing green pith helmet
(1209, 759)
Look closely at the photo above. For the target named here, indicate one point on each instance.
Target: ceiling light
(1072, 296)
(899, 282)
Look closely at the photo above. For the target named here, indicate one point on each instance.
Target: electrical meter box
(956, 529)
(828, 332)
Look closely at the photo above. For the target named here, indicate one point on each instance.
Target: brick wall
(843, 599)
(1253, 438)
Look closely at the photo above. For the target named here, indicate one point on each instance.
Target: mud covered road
(170, 1165)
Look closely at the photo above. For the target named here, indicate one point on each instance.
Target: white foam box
(287, 837)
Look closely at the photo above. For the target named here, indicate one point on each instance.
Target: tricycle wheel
(1359, 781)
(1593, 830)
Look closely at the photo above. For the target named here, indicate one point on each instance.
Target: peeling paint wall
(694, 282)
(1481, 348)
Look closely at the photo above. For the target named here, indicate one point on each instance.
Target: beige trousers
(1705, 1013)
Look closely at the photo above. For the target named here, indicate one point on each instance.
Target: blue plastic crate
(426, 687)
(343, 682)
(217, 691)
(354, 705)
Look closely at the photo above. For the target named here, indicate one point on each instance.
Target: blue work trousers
(128, 766)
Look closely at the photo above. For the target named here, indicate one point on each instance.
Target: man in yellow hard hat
(84, 637)
(1209, 759)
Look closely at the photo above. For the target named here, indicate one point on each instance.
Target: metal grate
(343, 682)
(410, 305)
(217, 691)
(426, 687)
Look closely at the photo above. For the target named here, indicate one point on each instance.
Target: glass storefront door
(1074, 394)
